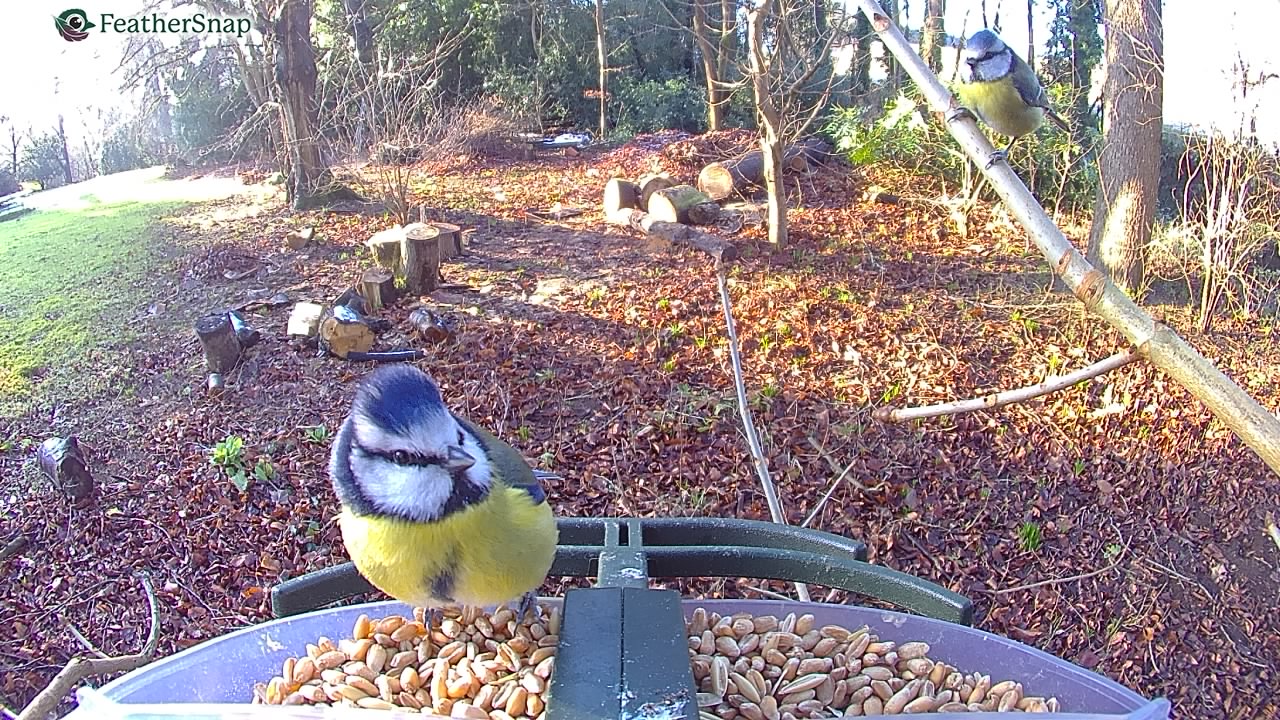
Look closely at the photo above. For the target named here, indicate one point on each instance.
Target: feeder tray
(623, 652)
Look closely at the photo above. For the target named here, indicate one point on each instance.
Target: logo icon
(73, 25)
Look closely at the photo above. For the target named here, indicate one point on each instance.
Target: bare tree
(66, 152)
(932, 35)
(715, 31)
(1130, 163)
(782, 72)
(602, 58)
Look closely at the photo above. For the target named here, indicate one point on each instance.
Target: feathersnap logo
(73, 24)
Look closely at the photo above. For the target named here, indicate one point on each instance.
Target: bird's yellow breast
(1000, 106)
(491, 552)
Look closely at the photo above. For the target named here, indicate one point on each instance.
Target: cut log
(304, 320)
(620, 194)
(673, 203)
(719, 249)
(378, 287)
(721, 180)
(218, 338)
(420, 253)
(652, 183)
(707, 213)
(385, 246)
(450, 239)
(64, 463)
(432, 327)
(343, 331)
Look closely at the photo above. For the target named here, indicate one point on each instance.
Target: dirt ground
(605, 360)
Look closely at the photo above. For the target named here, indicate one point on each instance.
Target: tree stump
(385, 246)
(450, 239)
(620, 194)
(218, 338)
(673, 204)
(378, 287)
(304, 320)
(707, 213)
(420, 254)
(62, 460)
(650, 184)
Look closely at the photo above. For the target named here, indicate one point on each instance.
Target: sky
(45, 75)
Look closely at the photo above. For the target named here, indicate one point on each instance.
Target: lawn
(69, 283)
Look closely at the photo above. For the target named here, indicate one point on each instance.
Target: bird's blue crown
(398, 398)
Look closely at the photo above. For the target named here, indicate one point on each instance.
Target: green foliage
(900, 135)
(316, 434)
(229, 456)
(1072, 53)
(126, 149)
(644, 105)
(1029, 537)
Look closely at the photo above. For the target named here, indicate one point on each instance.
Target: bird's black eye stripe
(404, 457)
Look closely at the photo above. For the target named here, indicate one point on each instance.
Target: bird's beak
(458, 459)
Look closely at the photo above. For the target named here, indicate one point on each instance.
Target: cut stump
(650, 184)
(378, 287)
(218, 338)
(420, 254)
(620, 194)
(674, 203)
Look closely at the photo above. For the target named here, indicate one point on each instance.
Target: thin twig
(753, 438)
(1072, 578)
(84, 640)
(768, 593)
(46, 702)
(1007, 397)
(822, 502)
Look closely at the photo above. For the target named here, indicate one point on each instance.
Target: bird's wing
(515, 471)
(1033, 93)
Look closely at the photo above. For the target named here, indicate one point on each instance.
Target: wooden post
(420, 253)
(378, 286)
(218, 338)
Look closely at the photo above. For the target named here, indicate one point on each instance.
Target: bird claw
(961, 111)
(432, 616)
(528, 608)
(997, 156)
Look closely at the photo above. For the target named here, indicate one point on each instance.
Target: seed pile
(474, 665)
(763, 668)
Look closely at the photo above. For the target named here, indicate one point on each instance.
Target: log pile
(664, 209)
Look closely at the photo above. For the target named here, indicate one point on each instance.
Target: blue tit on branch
(1003, 90)
(435, 510)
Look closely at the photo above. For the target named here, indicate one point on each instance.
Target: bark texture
(1130, 161)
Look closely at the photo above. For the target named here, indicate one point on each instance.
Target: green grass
(70, 279)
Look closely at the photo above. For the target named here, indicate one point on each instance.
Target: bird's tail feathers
(1057, 120)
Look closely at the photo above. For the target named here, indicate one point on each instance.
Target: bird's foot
(432, 617)
(997, 156)
(959, 112)
(528, 608)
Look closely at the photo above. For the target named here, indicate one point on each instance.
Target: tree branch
(749, 428)
(1008, 397)
(79, 668)
(1254, 424)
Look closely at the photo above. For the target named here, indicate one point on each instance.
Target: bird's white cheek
(399, 489)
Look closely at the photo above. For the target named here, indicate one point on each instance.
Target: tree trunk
(710, 65)
(650, 184)
(66, 155)
(378, 287)
(296, 78)
(770, 123)
(602, 59)
(720, 180)
(1031, 34)
(932, 36)
(1130, 162)
(420, 253)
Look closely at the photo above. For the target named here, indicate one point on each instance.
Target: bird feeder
(623, 651)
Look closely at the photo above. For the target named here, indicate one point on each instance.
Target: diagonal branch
(1008, 397)
(1253, 423)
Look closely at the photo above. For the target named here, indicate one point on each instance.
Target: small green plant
(229, 456)
(702, 341)
(545, 375)
(1077, 467)
(595, 295)
(985, 493)
(316, 434)
(669, 365)
(766, 343)
(664, 303)
(1112, 551)
(524, 432)
(892, 393)
(770, 391)
(1027, 323)
(264, 471)
(1029, 537)
(675, 329)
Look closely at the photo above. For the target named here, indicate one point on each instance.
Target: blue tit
(1002, 89)
(435, 510)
